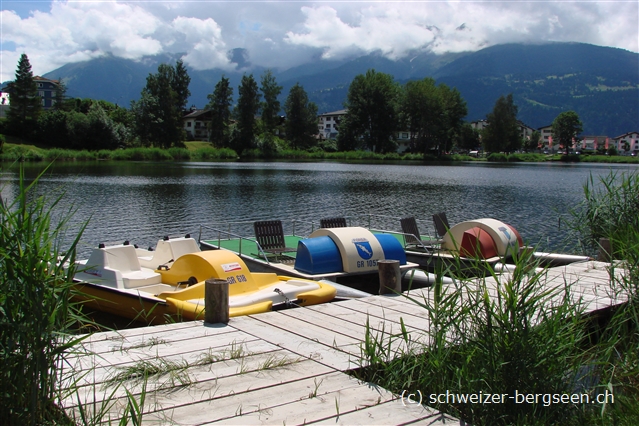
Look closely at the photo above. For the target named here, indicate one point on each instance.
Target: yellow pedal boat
(113, 280)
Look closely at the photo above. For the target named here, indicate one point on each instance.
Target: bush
(179, 153)
(22, 153)
(497, 157)
(570, 158)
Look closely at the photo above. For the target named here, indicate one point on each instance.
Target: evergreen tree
(25, 103)
(60, 96)
(301, 118)
(220, 106)
(159, 111)
(180, 84)
(270, 106)
(565, 129)
(502, 132)
(248, 104)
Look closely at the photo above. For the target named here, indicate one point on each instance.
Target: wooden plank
(298, 343)
(327, 321)
(334, 317)
(110, 341)
(394, 413)
(329, 338)
(362, 403)
(204, 382)
(103, 373)
(345, 311)
(186, 349)
(268, 403)
(414, 316)
(335, 392)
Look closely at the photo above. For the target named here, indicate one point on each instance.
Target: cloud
(74, 32)
(285, 34)
(203, 43)
(395, 29)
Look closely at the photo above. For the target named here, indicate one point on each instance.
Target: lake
(142, 201)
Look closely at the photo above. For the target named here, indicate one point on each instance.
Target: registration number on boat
(236, 279)
(366, 263)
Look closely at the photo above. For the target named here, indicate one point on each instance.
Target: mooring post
(390, 278)
(216, 301)
(605, 250)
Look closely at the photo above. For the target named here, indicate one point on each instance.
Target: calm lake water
(142, 201)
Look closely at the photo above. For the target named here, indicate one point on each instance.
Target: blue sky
(281, 34)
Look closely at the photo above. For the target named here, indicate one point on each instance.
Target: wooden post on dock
(605, 250)
(390, 278)
(216, 301)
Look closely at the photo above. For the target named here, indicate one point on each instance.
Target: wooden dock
(285, 367)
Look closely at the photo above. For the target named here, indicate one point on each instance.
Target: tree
(270, 106)
(468, 138)
(453, 112)
(220, 105)
(433, 114)
(60, 96)
(160, 109)
(301, 118)
(248, 104)
(565, 129)
(502, 132)
(180, 85)
(533, 142)
(372, 111)
(421, 110)
(26, 105)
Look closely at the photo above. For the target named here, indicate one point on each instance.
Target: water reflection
(145, 200)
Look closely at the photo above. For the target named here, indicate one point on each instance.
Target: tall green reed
(518, 335)
(522, 335)
(36, 314)
(608, 210)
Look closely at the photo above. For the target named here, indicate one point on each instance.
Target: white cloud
(284, 34)
(386, 31)
(394, 29)
(74, 32)
(202, 42)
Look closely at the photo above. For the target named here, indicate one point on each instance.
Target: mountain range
(601, 84)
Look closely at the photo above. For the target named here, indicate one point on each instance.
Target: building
(196, 125)
(46, 91)
(594, 142)
(546, 142)
(478, 124)
(4, 104)
(628, 143)
(524, 130)
(328, 124)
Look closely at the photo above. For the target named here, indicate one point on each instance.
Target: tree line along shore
(377, 108)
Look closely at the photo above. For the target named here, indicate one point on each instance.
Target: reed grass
(484, 339)
(608, 210)
(36, 313)
(521, 336)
